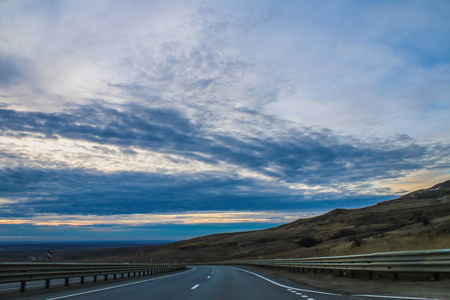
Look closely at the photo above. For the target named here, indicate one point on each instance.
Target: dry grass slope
(419, 220)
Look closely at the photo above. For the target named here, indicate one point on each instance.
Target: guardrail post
(106, 277)
(115, 276)
(82, 280)
(47, 284)
(22, 286)
(95, 278)
(436, 276)
(66, 281)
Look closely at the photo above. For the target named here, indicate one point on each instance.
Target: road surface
(199, 282)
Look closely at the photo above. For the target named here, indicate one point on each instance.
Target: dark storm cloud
(300, 155)
(37, 191)
(154, 128)
(80, 192)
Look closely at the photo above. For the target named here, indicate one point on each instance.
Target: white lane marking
(209, 277)
(331, 294)
(118, 286)
(310, 298)
(195, 286)
(393, 297)
(285, 286)
(298, 294)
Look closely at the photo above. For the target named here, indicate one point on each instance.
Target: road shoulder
(350, 286)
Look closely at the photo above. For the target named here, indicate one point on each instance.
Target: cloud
(198, 217)
(193, 168)
(367, 69)
(30, 192)
(297, 154)
(134, 107)
(9, 71)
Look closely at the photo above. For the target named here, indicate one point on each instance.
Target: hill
(418, 220)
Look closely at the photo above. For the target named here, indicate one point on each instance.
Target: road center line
(118, 286)
(195, 286)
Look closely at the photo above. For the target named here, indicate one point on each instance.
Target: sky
(166, 120)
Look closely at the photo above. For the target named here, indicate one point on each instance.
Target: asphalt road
(199, 282)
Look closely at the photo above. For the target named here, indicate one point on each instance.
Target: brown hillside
(419, 220)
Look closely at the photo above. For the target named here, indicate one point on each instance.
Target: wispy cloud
(287, 153)
(211, 217)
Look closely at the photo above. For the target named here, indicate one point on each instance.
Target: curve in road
(200, 282)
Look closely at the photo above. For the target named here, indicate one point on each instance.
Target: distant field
(36, 251)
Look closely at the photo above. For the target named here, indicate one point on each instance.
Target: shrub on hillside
(345, 232)
(308, 242)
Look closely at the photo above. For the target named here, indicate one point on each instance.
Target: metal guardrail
(24, 272)
(427, 261)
